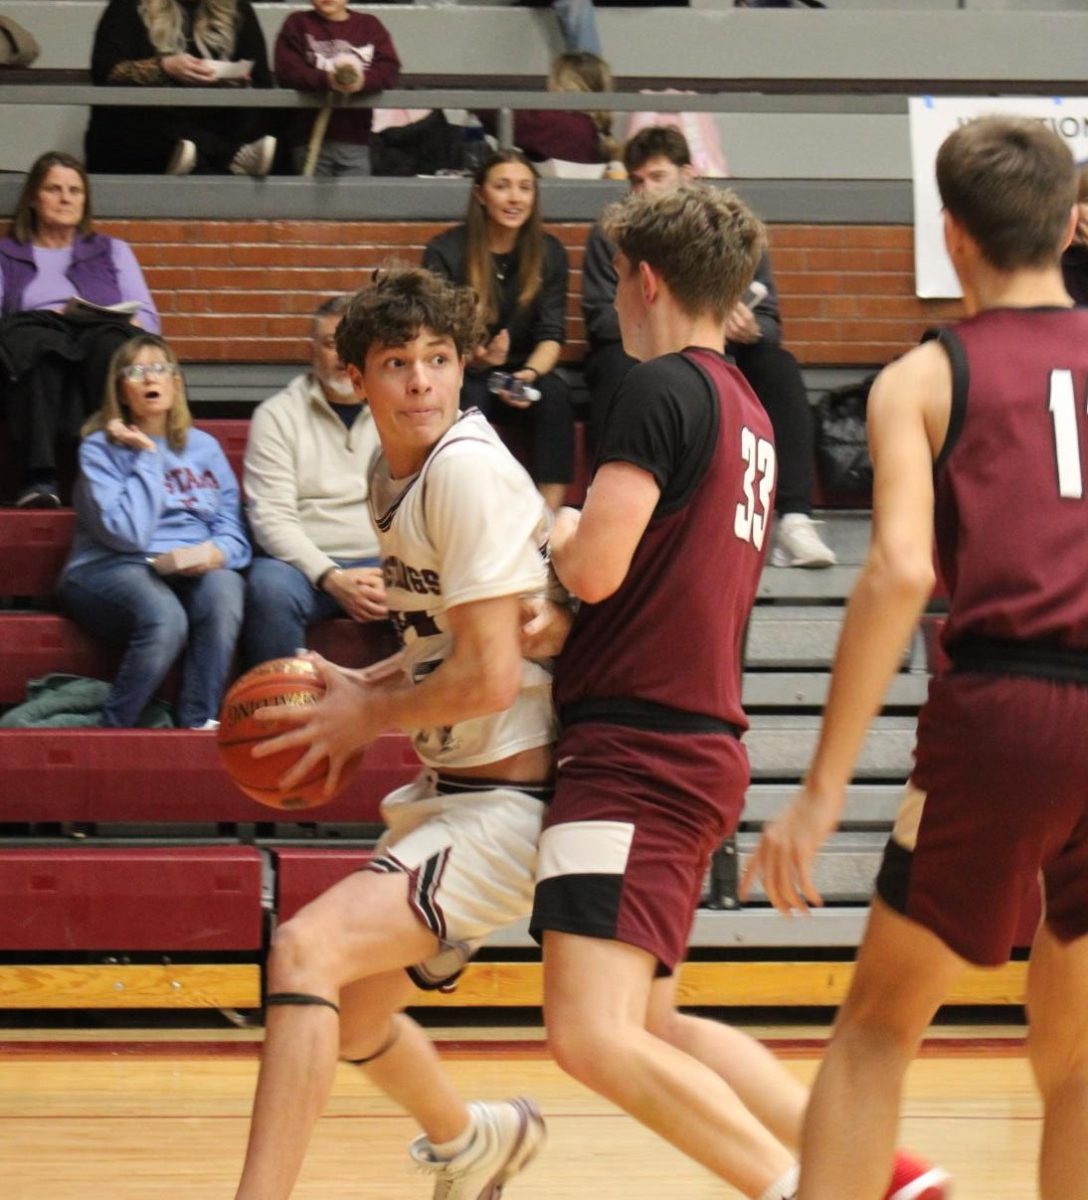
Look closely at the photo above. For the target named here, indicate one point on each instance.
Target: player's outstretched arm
(905, 434)
(592, 551)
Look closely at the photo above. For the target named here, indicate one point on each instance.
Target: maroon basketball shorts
(628, 837)
(998, 798)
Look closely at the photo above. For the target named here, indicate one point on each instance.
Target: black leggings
(547, 425)
(773, 374)
(47, 405)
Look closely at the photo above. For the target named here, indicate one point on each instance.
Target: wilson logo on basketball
(240, 710)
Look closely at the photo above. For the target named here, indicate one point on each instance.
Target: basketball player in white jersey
(463, 534)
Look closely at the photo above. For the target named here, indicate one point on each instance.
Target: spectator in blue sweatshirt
(159, 542)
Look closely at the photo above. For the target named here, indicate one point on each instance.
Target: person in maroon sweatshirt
(332, 49)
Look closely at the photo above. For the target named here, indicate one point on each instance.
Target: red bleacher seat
(232, 436)
(301, 875)
(33, 548)
(91, 898)
(35, 644)
(164, 776)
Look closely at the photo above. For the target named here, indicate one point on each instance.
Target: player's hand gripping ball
(293, 682)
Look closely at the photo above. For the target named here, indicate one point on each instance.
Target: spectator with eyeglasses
(160, 541)
(59, 279)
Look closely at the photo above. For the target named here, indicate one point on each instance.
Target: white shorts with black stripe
(469, 850)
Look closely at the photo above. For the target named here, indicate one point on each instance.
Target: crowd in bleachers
(160, 564)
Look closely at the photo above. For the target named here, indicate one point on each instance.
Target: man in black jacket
(658, 159)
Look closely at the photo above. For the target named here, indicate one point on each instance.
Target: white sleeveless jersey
(470, 526)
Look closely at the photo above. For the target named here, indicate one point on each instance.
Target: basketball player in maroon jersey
(980, 434)
(651, 773)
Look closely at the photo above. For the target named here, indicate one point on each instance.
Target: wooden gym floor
(126, 1114)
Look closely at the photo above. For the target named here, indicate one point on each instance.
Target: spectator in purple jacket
(332, 49)
(55, 353)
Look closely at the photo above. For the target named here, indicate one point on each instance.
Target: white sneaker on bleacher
(254, 158)
(183, 159)
(508, 1135)
(797, 544)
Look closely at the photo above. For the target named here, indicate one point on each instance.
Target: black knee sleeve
(303, 998)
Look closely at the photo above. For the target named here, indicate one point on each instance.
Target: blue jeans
(281, 604)
(155, 618)
(578, 22)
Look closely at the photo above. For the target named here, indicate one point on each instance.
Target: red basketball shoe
(914, 1179)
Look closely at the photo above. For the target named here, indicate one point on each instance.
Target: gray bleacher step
(831, 585)
(844, 870)
(846, 531)
(781, 747)
(801, 636)
(808, 689)
(788, 636)
(760, 926)
(866, 804)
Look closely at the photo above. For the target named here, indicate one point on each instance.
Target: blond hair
(704, 243)
(214, 27)
(178, 420)
(581, 71)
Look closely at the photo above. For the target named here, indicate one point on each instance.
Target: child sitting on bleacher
(333, 49)
(159, 541)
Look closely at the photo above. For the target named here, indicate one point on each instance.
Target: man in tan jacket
(306, 501)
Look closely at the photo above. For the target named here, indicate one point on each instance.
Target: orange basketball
(280, 682)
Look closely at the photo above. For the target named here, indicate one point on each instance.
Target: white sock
(784, 1188)
(444, 1151)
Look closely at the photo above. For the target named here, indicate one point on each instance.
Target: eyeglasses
(138, 372)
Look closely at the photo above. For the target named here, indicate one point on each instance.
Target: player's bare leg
(903, 974)
(467, 1148)
(596, 1001)
(401, 1058)
(763, 1085)
(1058, 1048)
(362, 926)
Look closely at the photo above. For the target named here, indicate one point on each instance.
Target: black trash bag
(425, 147)
(842, 450)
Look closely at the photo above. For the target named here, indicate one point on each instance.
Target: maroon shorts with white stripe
(998, 798)
(628, 837)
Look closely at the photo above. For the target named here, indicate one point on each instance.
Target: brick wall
(241, 291)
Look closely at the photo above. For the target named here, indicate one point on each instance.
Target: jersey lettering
(399, 574)
(1063, 411)
(750, 521)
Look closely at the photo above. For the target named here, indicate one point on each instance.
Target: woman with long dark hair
(54, 353)
(519, 273)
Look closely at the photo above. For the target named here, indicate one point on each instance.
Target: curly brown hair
(398, 304)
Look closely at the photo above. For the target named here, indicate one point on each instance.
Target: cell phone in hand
(755, 295)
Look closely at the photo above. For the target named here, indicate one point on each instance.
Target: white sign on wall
(932, 119)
